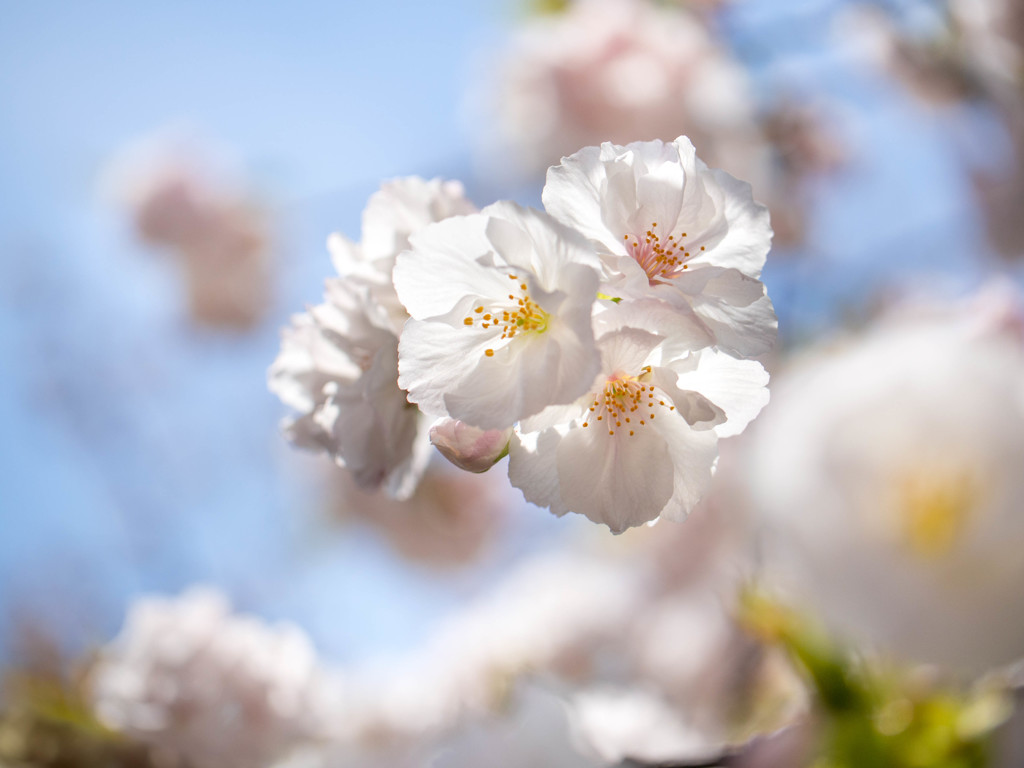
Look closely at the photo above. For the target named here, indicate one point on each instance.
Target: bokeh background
(140, 450)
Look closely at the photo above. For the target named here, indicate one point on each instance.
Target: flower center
(626, 403)
(519, 315)
(660, 260)
(934, 511)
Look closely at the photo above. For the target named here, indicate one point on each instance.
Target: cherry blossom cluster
(605, 343)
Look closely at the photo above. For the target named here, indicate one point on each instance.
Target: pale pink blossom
(182, 199)
(620, 71)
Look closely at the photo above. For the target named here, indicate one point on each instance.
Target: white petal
(404, 206)
(574, 192)
(473, 350)
(531, 468)
(739, 387)
(676, 324)
(694, 454)
(693, 407)
(749, 236)
(620, 480)
(734, 307)
(442, 267)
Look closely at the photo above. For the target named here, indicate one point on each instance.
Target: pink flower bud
(467, 447)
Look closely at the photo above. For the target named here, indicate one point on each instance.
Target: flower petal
(738, 387)
(532, 470)
(620, 480)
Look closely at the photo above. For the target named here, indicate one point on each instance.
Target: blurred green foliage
(870, 716)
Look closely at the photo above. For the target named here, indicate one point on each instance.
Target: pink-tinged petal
(658, 216)
(338, 364)
(618, 479)
(738, 387)
(659, 197)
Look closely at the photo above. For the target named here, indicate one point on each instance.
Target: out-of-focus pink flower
(993, 33)
(621, 71)
(212, 226)
(970, 71)
(452, 519)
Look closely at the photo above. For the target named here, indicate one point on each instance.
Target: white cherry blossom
(338, 364)
(672, 230)
(393, 213)
(617, 70)
(501, 306)
(629, 724)
(643, 442)
(338, 367)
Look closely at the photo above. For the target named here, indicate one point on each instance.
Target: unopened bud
(467, 447)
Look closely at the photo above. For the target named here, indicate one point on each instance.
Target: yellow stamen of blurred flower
(934, 511)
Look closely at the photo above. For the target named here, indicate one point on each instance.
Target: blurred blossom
(805, 144)
(590, 620)
(993, 32)
(210, 688)
(338, 365)
(215, 228)
(452, 518)
(887, 469)
(619, 71)
(532, 728)
(621, 724)
(970, 71)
